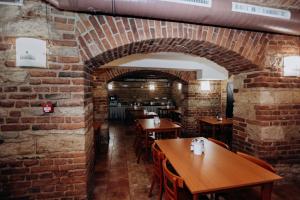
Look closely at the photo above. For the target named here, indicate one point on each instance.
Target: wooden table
(216, 170)
(212, 121)
(165, 125)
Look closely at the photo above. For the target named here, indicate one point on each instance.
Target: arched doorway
(100, 44)
(103, 76)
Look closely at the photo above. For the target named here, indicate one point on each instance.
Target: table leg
(147, 134)
(195, 196)
(266, 191)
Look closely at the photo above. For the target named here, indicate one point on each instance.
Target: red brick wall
(199, 103)
(105, 38)
(267, 110)
(134, 93)
(77, 38)
(57, 175)
(44, 155)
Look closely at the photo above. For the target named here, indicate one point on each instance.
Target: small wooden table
(216, 170)
(165, 125)
(213, 121)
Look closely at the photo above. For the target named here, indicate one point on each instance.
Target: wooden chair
(257, 161)
(158, 157)
(222, 144)
(172, 182)
(141, 143)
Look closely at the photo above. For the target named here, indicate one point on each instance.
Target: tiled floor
(119, 177)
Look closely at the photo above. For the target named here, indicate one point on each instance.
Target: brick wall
(139, 91)
(76, 43)
(267, 110)
(44, 155)
(177, 94)
(199, 103)
(103, 76)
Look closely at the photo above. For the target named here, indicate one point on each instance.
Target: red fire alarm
(48, 107)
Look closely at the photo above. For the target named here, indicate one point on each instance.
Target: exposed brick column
(44, 155)
(267, 122)
(199, 103)
(100, 99)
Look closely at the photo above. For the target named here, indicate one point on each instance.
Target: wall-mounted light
(179, 86)
(151, 87)
(110, 86)
(291, 66)
(205, 85)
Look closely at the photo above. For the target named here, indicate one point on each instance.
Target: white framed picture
(31, 52)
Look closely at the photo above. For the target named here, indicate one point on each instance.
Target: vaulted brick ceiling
(232, 61)
(284, 4)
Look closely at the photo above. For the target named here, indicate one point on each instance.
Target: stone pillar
(100, 98)
(44, 155)
(267, 122)
(199, 103)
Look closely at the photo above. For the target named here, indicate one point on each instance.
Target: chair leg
(139, 154)
(160, 189)
(152, 185)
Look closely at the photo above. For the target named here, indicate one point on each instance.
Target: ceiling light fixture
(151, 87)
(179, 86)
(110, 86)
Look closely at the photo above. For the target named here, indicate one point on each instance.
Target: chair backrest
(172, 182)
(257, 161)
(222, 144)
(158, 157)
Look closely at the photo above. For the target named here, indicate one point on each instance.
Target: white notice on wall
(30, 52)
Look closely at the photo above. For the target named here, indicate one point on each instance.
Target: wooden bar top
(217, 169)
(215, 121)
(148, 124)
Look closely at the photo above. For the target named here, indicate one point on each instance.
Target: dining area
(198, 167)
(152, 160)
(148, 100)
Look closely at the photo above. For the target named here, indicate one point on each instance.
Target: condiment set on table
(197, 146)
(156, 120)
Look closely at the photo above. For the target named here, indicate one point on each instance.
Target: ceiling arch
(105, 38)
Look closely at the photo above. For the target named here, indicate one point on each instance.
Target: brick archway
(105, 38)
(109, 74)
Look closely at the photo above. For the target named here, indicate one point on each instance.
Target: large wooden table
(213, 122)
(216, 170)
(165, 125)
